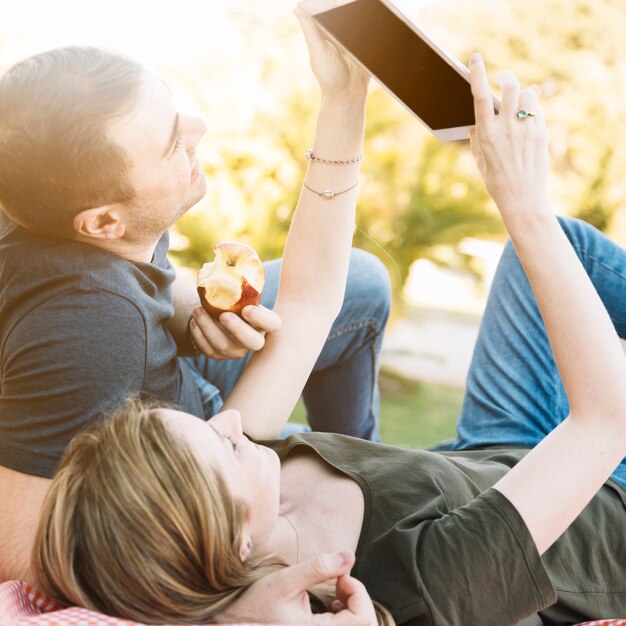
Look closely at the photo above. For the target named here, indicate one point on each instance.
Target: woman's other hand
(511, 153)
(281, 597)
(352, 607)
(337, 75)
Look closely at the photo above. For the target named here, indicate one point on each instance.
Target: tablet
(430, 83)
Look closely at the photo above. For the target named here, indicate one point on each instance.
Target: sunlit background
(243, 65)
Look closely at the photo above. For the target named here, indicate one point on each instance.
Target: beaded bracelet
(310, 156)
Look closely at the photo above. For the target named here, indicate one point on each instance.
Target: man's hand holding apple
(231, 336)
(231, 322)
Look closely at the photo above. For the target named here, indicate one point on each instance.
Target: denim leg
(514, 394)
(341, 394)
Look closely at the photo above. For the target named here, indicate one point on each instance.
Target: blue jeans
(514, 394)
(341, 394)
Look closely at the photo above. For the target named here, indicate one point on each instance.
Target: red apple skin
(249, 295)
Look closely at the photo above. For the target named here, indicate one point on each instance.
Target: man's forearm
(21, 499)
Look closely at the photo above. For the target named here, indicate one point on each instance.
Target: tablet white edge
(446, 134)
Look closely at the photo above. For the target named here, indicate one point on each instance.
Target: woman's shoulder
(483, 467)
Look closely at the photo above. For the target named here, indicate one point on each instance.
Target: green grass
(412, 415)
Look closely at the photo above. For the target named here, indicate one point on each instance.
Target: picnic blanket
(22, 605)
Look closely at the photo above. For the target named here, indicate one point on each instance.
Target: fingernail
(475, 58)
(227, 317)
(247, 310)
(196, 311)
(346, 557)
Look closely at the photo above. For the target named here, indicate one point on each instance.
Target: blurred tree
(596, 206)
(574, 53)
(417, 193)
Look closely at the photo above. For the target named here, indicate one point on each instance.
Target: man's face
(160, 144)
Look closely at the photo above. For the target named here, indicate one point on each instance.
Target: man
(96, 165)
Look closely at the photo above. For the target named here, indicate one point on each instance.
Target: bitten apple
(233, 280)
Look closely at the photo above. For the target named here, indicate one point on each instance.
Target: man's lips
(195, 170)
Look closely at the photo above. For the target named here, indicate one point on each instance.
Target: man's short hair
(55, 157)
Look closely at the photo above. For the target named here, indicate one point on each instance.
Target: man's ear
(105, 222)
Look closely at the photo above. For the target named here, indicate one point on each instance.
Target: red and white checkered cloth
(22, 605)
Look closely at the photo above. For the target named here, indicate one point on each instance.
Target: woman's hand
(352, 607)
(337, 75)
(281, 597)
(512, 153)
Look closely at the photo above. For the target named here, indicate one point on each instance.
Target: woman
(160, 517)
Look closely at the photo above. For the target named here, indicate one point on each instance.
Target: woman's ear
(245, 548)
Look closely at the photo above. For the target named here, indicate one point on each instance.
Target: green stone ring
(522, 114)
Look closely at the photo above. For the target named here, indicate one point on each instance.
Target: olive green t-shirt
(439, 546)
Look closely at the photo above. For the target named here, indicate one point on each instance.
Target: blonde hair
(136, 527)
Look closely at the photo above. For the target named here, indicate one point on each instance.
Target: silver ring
(522, 114)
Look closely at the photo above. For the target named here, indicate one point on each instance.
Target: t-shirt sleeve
(67, 363)
(476, 565)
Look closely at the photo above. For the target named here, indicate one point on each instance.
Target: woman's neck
(321, 509)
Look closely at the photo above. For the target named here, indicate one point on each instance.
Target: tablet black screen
(405, 64)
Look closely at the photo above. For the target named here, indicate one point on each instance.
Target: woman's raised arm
(555, 481)
(317, 252)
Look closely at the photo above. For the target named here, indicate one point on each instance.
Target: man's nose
(199, 129)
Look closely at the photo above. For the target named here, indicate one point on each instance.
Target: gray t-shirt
(80, 329)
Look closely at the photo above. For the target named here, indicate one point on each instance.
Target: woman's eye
(234, 445)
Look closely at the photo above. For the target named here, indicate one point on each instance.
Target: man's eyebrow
(173, 137)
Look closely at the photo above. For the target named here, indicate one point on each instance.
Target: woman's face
(251, 472)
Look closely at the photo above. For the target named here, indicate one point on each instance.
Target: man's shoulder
(26, 254)
(34, 270)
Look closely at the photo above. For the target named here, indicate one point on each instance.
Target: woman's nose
(229, 422)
